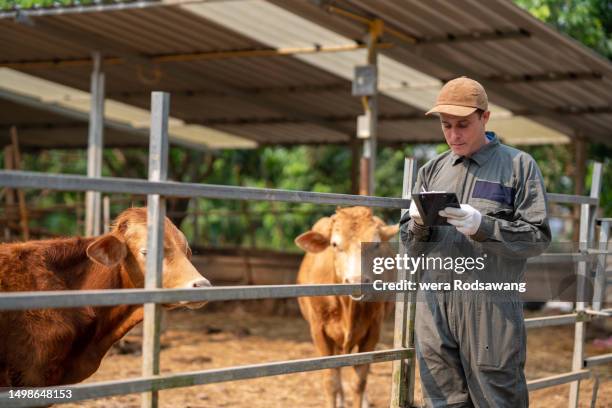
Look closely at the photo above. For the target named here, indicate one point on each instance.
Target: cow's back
(33, 336)
(41, 265)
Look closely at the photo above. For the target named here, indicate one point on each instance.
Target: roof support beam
(347, 11)
(190, 57)
(547, 77)
(381, 117)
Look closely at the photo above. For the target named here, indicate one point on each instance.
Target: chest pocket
(493, 198)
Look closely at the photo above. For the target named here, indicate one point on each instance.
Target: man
(471, 345)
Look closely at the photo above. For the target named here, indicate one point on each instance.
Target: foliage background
(321, 168)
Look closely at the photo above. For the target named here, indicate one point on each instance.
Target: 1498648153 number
(40, 393)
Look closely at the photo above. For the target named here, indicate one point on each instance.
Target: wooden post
(23, 211)
(364, 167)
(403, 374)
(156, 213)
(9, 194)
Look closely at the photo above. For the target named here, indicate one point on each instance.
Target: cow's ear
(388, 231)
(108, 250)
(312, 241)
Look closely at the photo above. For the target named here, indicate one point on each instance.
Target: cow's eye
(143, 251)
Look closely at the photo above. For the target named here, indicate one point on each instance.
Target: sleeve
(409, 230)
(528, 233)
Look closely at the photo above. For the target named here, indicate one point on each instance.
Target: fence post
(402, 385)
(106, 214)
(156, 213)
(581, 278)
(95, 145)
(599, 286)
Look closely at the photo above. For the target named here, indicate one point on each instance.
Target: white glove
(414, 213)
(466, 219)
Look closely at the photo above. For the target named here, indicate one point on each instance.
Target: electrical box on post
(364, 81)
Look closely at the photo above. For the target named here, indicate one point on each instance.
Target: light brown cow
(65, 346)
(341, 324)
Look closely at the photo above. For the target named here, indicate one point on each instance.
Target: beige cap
(460, 97)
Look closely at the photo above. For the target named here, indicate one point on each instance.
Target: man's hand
(466, 219)
(414, 213)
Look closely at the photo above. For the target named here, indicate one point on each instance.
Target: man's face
(464, 134)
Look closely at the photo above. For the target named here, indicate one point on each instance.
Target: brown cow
(65, 346)
(341, 324)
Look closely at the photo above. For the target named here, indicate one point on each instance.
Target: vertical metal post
(156, 213)
(402, 384)
(106, 213)
(94, 147)
(580, 328)
(580, 153)
(595, 192)
(599, 285)
(370, 105)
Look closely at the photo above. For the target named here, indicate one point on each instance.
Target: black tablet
(430, 203)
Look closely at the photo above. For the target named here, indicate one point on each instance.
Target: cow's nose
(201, 283)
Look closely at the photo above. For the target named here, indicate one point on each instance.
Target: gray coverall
(471, 345)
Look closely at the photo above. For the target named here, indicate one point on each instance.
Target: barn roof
(280, 72)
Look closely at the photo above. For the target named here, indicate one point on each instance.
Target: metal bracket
(583, 316)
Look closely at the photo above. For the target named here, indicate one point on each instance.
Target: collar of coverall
(483, 154)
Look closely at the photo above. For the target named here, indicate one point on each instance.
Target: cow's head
(343, 234)
(126, 245)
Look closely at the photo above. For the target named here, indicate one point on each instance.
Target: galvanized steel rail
(61, 299)
(161, 382)
(65, 182)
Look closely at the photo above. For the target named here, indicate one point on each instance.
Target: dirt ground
(205, 339)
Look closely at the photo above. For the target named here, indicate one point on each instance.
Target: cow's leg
(333, 385)
(368, 343)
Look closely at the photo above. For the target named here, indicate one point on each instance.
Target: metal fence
(156, 188)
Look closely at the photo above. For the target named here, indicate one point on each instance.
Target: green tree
(589, 22)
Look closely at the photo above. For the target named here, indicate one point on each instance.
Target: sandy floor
(196, 340)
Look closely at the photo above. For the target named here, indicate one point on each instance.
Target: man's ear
(485, 116)
(108, 250)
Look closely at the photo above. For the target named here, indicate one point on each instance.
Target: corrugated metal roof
(29, 100)
(305, 98)
(541, 73)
